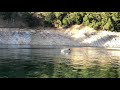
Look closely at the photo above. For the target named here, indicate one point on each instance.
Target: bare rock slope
(74, 36)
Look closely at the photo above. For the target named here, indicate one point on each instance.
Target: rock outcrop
(71, 37)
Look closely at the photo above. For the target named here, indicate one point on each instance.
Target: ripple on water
(49, 62)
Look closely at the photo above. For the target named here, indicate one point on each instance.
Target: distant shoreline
(73, 36)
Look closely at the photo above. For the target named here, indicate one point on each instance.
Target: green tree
(109, 25)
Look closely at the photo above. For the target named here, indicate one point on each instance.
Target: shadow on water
(48, 62)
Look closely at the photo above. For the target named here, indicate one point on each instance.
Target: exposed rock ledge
(73, 37)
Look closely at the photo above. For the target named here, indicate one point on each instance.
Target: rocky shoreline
(71, 37)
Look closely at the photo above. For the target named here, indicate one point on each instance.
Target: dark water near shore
(25, 61)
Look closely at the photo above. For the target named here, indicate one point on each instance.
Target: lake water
(25, 61)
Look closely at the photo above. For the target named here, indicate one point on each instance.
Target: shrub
(31, 20)
(109, 25)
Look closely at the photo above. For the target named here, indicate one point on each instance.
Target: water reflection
(48, 62)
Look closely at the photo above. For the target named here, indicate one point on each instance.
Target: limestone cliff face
(14, 36)
(77, 37)
(72, 37)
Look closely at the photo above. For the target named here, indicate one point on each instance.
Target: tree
(109, 25)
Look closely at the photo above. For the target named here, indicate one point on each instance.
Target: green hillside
(98, 20)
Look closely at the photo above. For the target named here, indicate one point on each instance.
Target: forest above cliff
(108, 21)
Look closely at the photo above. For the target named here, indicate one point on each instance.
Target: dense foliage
(97, 20)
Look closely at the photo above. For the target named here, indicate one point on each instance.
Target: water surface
(25, 61)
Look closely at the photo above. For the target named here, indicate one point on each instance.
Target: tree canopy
(98, 20)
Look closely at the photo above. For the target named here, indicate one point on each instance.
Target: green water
(25, 61)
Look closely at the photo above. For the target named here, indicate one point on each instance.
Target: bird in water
(66, 51)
